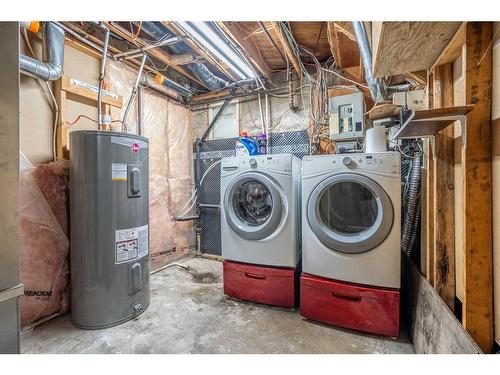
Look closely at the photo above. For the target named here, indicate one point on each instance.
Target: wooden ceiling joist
(344, 49)
(454, 48)
(201, 51)
(158, 54)
(286, 46)
(247, 45)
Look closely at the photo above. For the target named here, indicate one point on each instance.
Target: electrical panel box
(346, 117)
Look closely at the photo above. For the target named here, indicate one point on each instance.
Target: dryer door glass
(348, 207)
(350, 213)
(253, 205)
(253, 202)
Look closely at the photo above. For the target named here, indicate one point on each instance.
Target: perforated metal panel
(296, 143)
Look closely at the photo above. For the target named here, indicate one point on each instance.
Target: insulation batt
(168, 127)
(43, 223)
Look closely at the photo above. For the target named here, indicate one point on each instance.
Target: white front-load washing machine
(351, 228)
(260, 227)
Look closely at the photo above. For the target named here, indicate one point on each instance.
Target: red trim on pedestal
(367, 309)
(269, 285)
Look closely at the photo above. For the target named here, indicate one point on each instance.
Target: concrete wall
(495, 116)
(282, 118)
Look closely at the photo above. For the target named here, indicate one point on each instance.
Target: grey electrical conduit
(102, 75)
(377, 86)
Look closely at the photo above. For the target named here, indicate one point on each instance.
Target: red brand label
(134, 147)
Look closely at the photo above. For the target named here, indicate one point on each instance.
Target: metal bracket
(10, 293)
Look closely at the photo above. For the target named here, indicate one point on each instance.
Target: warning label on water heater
(118, 172)
(131, 244)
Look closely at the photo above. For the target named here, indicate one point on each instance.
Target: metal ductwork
(53, 52)
(199, 69)
(377, 86)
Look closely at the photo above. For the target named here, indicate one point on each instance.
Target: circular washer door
(350, 213)
(253, 206)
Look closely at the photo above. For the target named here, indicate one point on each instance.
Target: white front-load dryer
(260, 227)
(351, 228)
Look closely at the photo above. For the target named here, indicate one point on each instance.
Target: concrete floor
(190, 314)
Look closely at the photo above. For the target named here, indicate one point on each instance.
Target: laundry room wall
(44, 186)
(283, 119)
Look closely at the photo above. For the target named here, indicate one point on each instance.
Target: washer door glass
(253, 206)
(253, 203)
(350, 213)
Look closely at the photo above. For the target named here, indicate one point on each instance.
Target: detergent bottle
(246, 146)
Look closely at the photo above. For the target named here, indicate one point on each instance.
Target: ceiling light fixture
(205, 35)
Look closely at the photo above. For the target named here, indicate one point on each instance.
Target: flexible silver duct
(377, 86)
(53, 47)
(412, 210)
(199, 69)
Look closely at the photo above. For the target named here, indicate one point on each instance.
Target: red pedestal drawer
(367, 309)
(269, 285)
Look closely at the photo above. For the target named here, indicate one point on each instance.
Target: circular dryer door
(253, 206)
(350, 213)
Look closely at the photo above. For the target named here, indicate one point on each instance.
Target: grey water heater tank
(109, 227)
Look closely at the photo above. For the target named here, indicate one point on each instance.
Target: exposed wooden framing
(429, 201)
(334, 44)
(444, 195)
(68, 86)
(344, 50)
(346, 29)
(476, 164)
(404, 47)
(201, 51)
(419, 78)
(287, 48)
(62, 151)
(158, 54)
(247, 45)
(454, 48)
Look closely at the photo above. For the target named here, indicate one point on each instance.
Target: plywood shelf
(427, 123)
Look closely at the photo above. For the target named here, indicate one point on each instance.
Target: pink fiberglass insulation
(53, 181)
(44, 246)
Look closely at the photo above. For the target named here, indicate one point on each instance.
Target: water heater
(109, 201)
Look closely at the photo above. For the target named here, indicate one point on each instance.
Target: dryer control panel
(386, 162)
(276, 162)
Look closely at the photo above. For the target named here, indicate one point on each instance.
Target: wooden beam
(404, 47)
(202, 51)
(69, 86)
(429, 201)
(476, 164)
(247, 45)
(346, 29)
(158, 54)
(344, 50)
(287, 48)
(454, 48)
(444, 194)
(62, 151)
